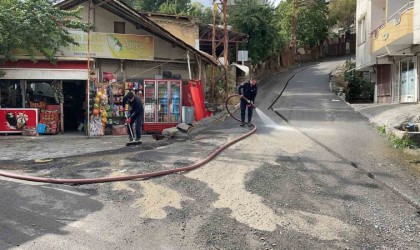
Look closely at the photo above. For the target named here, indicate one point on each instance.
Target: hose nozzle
(249, 102)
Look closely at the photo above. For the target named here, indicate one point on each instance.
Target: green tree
(171, 7)
(145, 5)
(284, 19)
(36, 26)
(312, 24)
(342, 13)
(311, 21)
(175, 7)
(204, 15)
(258, 21)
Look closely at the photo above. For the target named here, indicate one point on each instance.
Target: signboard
(242, 55)
(110, 45)
(13, 120)
(107, 45)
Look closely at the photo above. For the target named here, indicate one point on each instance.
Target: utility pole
(88, 75)
(225, 45)
(213, 48)
(224, 4)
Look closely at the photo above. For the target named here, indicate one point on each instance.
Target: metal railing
(375, 32)
(397, 15)
(396, 18)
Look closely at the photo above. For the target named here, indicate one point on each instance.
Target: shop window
(119, 27)
(10, 94)
(408, 80)
(39, 92)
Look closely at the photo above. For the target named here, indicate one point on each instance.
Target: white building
(388, 37)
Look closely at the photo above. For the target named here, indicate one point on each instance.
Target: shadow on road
(32, 211)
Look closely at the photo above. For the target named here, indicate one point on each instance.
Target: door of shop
(384, 82)
(408, 81)
(74, 98)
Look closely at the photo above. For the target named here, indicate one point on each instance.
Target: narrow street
(315, 175)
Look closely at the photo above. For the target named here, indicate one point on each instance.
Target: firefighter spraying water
(247, 91)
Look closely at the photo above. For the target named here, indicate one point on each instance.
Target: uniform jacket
(250, 92)
(136, 106)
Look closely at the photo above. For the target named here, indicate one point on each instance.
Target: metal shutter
(113, 66)
(141, 69)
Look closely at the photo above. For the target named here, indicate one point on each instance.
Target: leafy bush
(398, 141)
(382, 130)
(357, 88)
(401, 142)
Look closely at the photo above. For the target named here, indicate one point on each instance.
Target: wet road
(304, 180)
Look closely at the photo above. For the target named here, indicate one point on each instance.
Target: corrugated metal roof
(205, 38)
(181, 17)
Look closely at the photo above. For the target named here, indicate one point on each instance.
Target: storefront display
(50, 117)
(107, 111)
(161, 99)
(117, 104)
(162, 109)
(30, 95)
(46, 96)
(100, 108)
(96, 126)
(14, 120)
(135, 87)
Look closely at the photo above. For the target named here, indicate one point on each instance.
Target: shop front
(408, 81)
(50, 97)
(58, 95)
(161, 99)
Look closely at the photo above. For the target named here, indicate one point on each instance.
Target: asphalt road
(304, 180)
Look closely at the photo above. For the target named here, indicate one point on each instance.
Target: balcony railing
(375, 32)
(396, 18)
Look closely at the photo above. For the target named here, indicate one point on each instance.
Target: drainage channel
(369, 174)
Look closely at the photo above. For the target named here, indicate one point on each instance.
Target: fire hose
(135, 176)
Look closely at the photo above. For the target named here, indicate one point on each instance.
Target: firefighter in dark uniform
(136, 113)
(247, 89)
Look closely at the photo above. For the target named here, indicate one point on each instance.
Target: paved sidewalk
(392, 115)
(24, 148)
(389, 115)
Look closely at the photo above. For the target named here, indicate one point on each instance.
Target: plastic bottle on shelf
(175, 103)
(164, 101)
